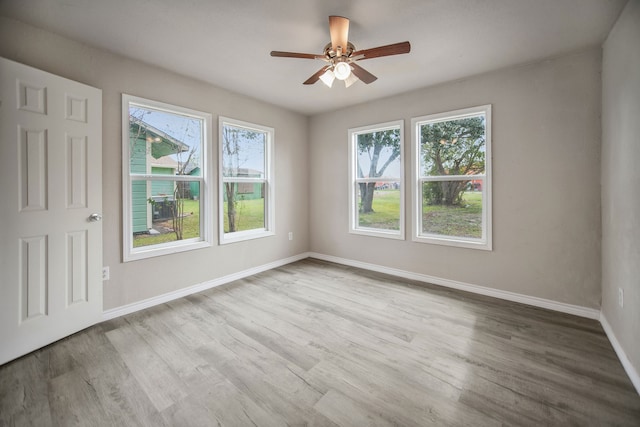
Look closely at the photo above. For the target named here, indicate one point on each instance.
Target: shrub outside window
(166, 204)
(376, 180)
(452, 178)
(246, 185)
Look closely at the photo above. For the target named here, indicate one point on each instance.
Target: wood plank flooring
(318, 344)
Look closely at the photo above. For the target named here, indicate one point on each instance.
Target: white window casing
(390, 177)
(264, 178)
(419, 178)
(129, 177)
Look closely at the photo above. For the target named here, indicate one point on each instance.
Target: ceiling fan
(341, 56)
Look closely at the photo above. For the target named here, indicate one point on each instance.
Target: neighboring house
(151, 154)
(476, 185)
(163, 166)
(247, 190)
(384, 185)
(162, 192)
(194, 187)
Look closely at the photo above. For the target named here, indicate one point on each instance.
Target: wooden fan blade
(339, 30)
(295, 55)
(363, 74)
(388, 50)
(311, 80)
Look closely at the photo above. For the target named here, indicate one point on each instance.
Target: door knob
(95, 217)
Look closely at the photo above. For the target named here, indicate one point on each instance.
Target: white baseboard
(170, 296)
(587, 312)
(577, 310)
(626, 363)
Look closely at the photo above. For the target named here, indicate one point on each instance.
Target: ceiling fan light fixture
(342, 70)
(328, 77)
(350, 80)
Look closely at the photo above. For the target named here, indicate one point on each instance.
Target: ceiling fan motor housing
(331, 54)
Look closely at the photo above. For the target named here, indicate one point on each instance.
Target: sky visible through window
(392, 171)
(248, 151)
(185, 129)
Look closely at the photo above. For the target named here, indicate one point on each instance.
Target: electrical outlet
(291, 235)
(621, 297)
(105, 273)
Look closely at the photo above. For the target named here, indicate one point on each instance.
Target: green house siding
(138, 155)
(194, 187)
(195, 190)
(139, 206)
(139, 188)
(162, 188)
(246, 191)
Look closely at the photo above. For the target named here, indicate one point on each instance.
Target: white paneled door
(50, 207)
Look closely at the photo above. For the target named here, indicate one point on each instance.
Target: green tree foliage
(453, 147)
(372, 144)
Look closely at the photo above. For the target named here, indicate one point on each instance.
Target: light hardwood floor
(314, 343)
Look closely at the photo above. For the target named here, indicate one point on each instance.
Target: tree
(234, 155)
(187, 129)
(177, 211)
(372, 144)
(453, 147)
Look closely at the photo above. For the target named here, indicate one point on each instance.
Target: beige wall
(138, 280)
(546, 215)
(546, 191)
(621, 180)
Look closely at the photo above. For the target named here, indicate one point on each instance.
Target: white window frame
(484, 243)
(354, 228)
(268, 181)
(206, 226)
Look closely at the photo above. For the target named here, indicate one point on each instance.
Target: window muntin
(165, 182)
(246, 187)
(452, 178)
(376, 174)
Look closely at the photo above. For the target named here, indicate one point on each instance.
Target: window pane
(378, 154)
(243, 206)
(243, 152)
(452, 208)
(379, 205)
(164, 143)
(453, 147)
(164, 211)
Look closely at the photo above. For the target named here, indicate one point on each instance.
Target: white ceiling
(227, 42)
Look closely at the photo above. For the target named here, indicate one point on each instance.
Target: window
(376, 174)
(166, 202)
(246, 187)
(452, 178)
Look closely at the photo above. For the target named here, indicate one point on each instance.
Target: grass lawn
(249, 215)
(386, 211)
(458, 221)
(191, 227)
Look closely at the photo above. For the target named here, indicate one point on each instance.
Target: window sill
(456, 242)
(164, 249)
(373, 232)
(240, 236)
